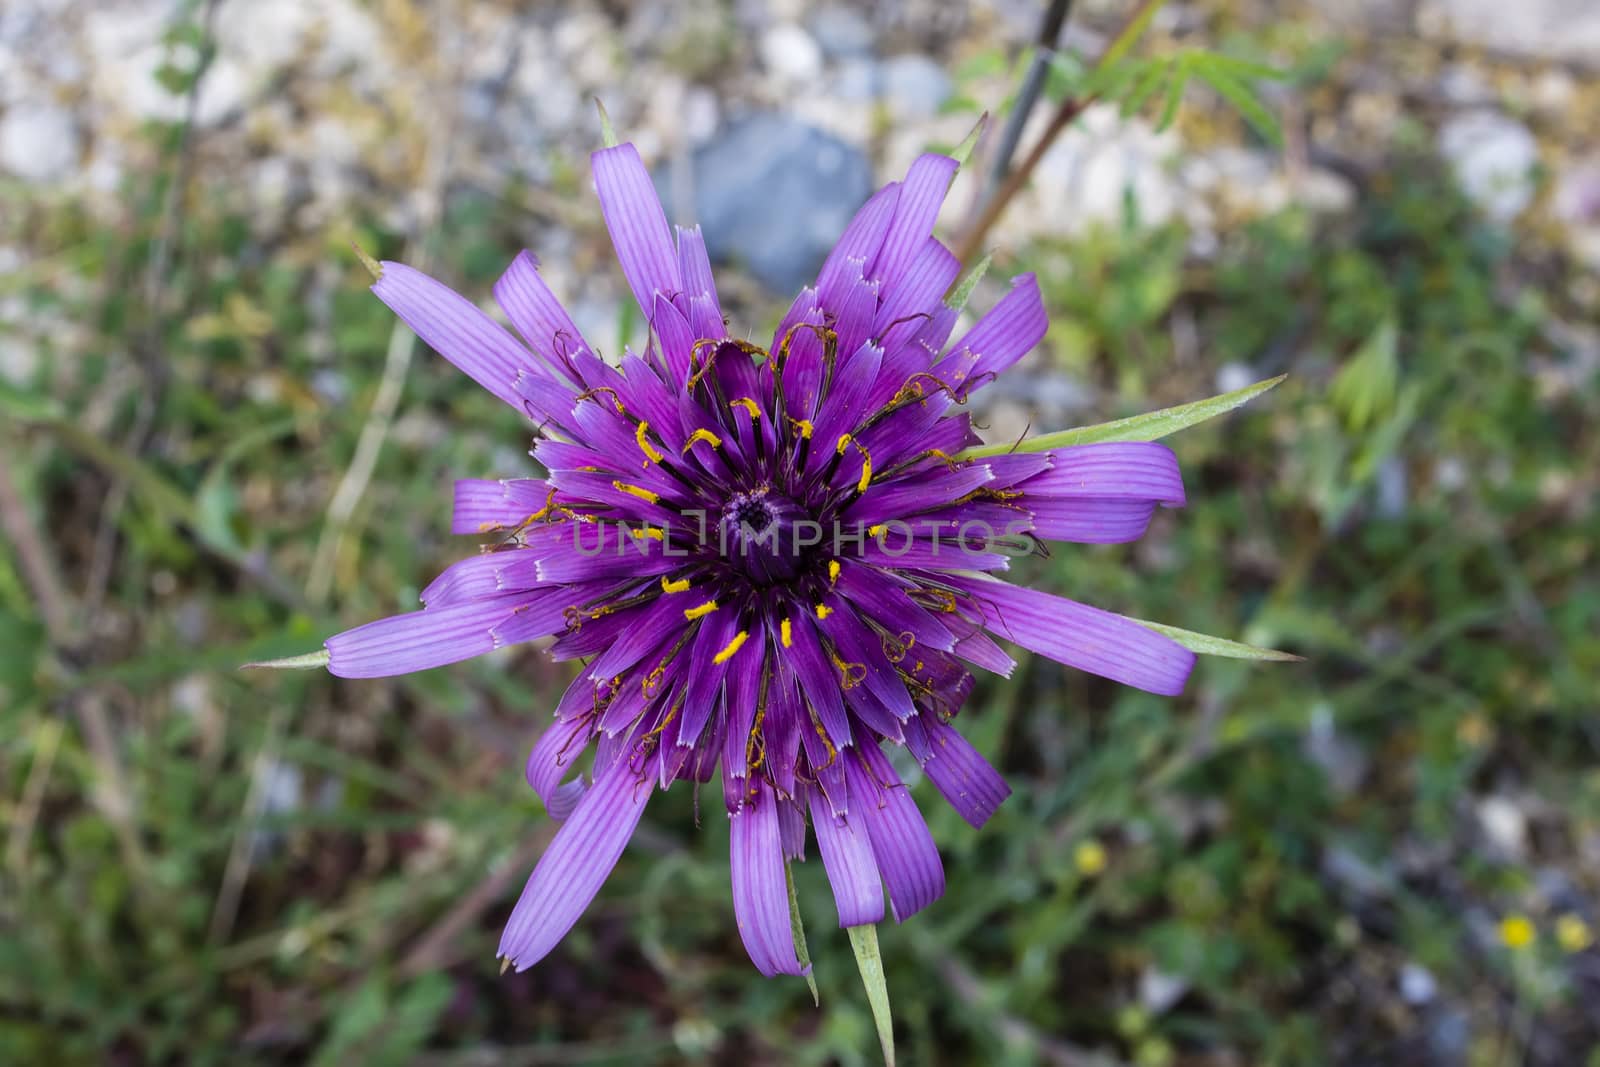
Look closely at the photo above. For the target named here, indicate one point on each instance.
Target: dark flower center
(766, 536)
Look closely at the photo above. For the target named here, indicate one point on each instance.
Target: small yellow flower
(1474, 731)
(1517, 932)
(1573, 934)
(1090, 858)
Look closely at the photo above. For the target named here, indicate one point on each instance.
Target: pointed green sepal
(864, 943)
(798, 929)
(608, 132)
(1147, 427)
(962, 290)
(963, 151)
(310, 661)
(1206, 645)
(374, 268)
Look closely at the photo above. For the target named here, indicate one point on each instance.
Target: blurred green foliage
(292, 868)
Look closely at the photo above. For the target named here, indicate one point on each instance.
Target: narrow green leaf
(1206, 645)
(1145, 87)
(308, 661)
(1130, 34)
(1241, 96)
(798, 929)
(1176, 84)
(864, 943)
(1147, 427)
(962, 292)
(1247, 69)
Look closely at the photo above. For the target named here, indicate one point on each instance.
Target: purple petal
(904, 850)
(484, 575)
(847, 858)
(483, 504)
(704, 313)
(1004, 335)
(454, 327)
(960, 773)
(555, 753)
(538, 315)
(1080, 636)
(1091, 521)
(1138, 470)
(579, 859)
(862, 239)
(638, 225)
(760, 891)
(676, 337)
(921, 196)
(905, 311)
(819, 679)
(420, 640)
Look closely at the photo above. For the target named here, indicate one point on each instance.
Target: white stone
(1417, 984)
(790, 53)
(1493, 157)
(1504, 824)
(914, 86)
(38, 142)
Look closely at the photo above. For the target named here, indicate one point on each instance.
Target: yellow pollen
(649, 449)
(651, 532)
(633, 490)
(702, 435)
(877, 530)
(785, 633)
(804, 426)
(730, 648)
(679, 586)
(833, 570)
(749, 404)
(844, 443)
(823, 611)
(866, 471)
(700, 609)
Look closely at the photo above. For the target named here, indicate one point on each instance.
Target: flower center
(766, 536)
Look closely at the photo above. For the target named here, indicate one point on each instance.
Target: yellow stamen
(650, 532)
(844, 443)
(866, 471)
(731, 647)
(823, 611)
(833, 570)
(749, 404)
(633, 490)
(877, 529)
(804, 426)
(681, 585)
(702, 435)
(649, 449)
(700, 609)
(785, 633)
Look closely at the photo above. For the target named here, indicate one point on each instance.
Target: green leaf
(27, 406)
(308, 661)
(1175, 87)
(1130, 34)
(1145, 87)
(864, 943)
(1206, 645)
(798, 929)
(1364, 389)
(963, 151)
(1147, 427)
(1218, 74)
(608, 132)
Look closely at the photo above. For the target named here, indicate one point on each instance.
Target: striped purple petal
(538, 315)
(921, 196)
(572, 869)
(956, 769)
(760, 890)
(1004, 335)
(847, 858)
(1080, 636)
(482, 505)
(904, 851)
(434, 637)
(483, 350)
(638, 225)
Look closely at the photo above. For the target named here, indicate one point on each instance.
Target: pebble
(790, 53)
(1417, 984)
(1493, 157)
(914, 86)
(841, 31)
(773, 194)
(39, 142)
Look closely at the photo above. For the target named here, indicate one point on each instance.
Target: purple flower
(769, 559)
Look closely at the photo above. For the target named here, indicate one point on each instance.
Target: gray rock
(1417, 984)
(841, 31)
(38, 142)
(914, 86)
(773, 194)
(1493, 157)
(1567, 30)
